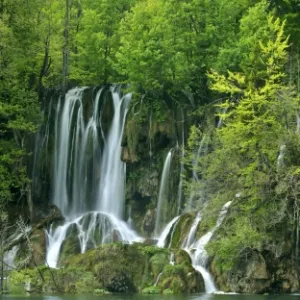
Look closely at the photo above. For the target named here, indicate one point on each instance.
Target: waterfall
(161, 242)
(111, 193)
(88, 185)
(192, 233)
(129, 220)
(201, 151)
(9, 258)
(172, 259)
(197, 251)
(196, 158)
(163, 196)
(158, 278)
(280, 159)
(221, 117)
(70, 159)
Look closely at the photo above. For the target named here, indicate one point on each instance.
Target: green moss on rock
(113, 268)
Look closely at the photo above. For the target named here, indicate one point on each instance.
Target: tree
(97, 40)
(244, 163)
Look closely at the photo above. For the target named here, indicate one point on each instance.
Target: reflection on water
(158, 297)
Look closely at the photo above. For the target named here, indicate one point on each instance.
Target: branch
(56, 215)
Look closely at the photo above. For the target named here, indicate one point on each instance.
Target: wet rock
(149, 221)
(257, 273)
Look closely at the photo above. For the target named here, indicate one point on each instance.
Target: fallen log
(55, 216)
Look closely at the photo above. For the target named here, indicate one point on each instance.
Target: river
(158, 297)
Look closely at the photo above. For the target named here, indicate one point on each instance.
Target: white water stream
(161, 241)
(163, 197)
(197, 252)
(196, 248)
(94, 208)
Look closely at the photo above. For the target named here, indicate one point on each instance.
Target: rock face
(259, 272)
(145, 145)
(149, 222)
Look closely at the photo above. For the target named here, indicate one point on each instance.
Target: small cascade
(172, 259)
(163, 196)
(92, 229)
(161, 242)
(201, 151)
(197, 156)
(9, 258)
(280, 159)
(189, 240)
(129, 220)
(224, 111)
(158, 278)
(89, 183)
(197, 251)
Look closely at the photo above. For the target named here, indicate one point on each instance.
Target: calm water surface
(157, 297)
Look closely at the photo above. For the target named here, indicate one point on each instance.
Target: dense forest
(230, 67)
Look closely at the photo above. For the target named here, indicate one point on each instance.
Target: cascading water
(111, 193)
(280, 159)
(189, 240)
(197, 252)
(9, 258)
(196, 248)
(93, 206)
(161, 241)
(201, 151)
(221, 119)
(163, 196)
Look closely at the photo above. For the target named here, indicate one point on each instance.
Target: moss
(157, 262)
(113, 268)
(181, 230)
(168, 292)
(132, 134)
(70, 246)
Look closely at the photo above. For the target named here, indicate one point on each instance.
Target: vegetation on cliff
(229, 68)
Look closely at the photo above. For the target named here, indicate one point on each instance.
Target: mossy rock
(151, 290)
(123, 268)
(181, 230)
(70, 246)
(181, 277)
(113, 268)
(158, 261)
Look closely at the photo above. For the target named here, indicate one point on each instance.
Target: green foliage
(240, 236)
(97, 40)
(73, 280)
(243, 164)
